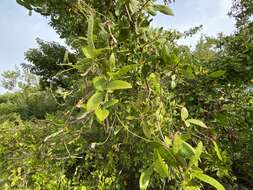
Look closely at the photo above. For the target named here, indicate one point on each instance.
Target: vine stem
(134, 134)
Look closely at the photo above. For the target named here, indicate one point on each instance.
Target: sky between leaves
(19, 30)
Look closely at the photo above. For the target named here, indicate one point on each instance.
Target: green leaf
(217, 74)
(209, 180)
(95, 101)
(165, 53)
(118, 84)
(184, 113)
(147, 131)
(145, 178)
(110, 103)
(160, 166)
(167, 155)
(177, 144)
(198, 151)
(217, 150)
(167, 141)
(101, 114)
(122, 71)
(90, 34)
(86, 52)
(187, 150)
(112, 61)
(164, 9)
(173, 84)
(197, 122)
(100, 83)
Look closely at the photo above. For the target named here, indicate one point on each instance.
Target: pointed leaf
(145, 178)
(100, 83)
(86, 52)
(217, 150)
(198, 150)
(122, 71)
(217, 74)
(209, 180)
(184, 114)
(187, 150)
(160, 166)
(110, 103)
(94, 101)
(112, 61)
(101, 114)
(197, 122)
(177, 144)
(118, 84)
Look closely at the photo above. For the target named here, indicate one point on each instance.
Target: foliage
(136, 110)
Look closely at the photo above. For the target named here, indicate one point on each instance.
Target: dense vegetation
(125, 107)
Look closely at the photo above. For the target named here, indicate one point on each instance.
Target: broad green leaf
(184, 113)
(217, 74)
(100, 83)
(167, 155)
(217, 150)
(118, 84)
(163, 9)
(197, 122)
(95, 101)
(101, 114)
(110, 103)
(145, 178)
(160, 166)
(207, 179)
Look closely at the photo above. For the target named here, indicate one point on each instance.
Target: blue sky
(19, 30)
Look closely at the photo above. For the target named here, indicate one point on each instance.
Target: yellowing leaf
(101, 114)
(167, 141)
(94, 101)
(145, 178)
(197, 122)
(117, 85)
(184, 114)
(86, 52)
